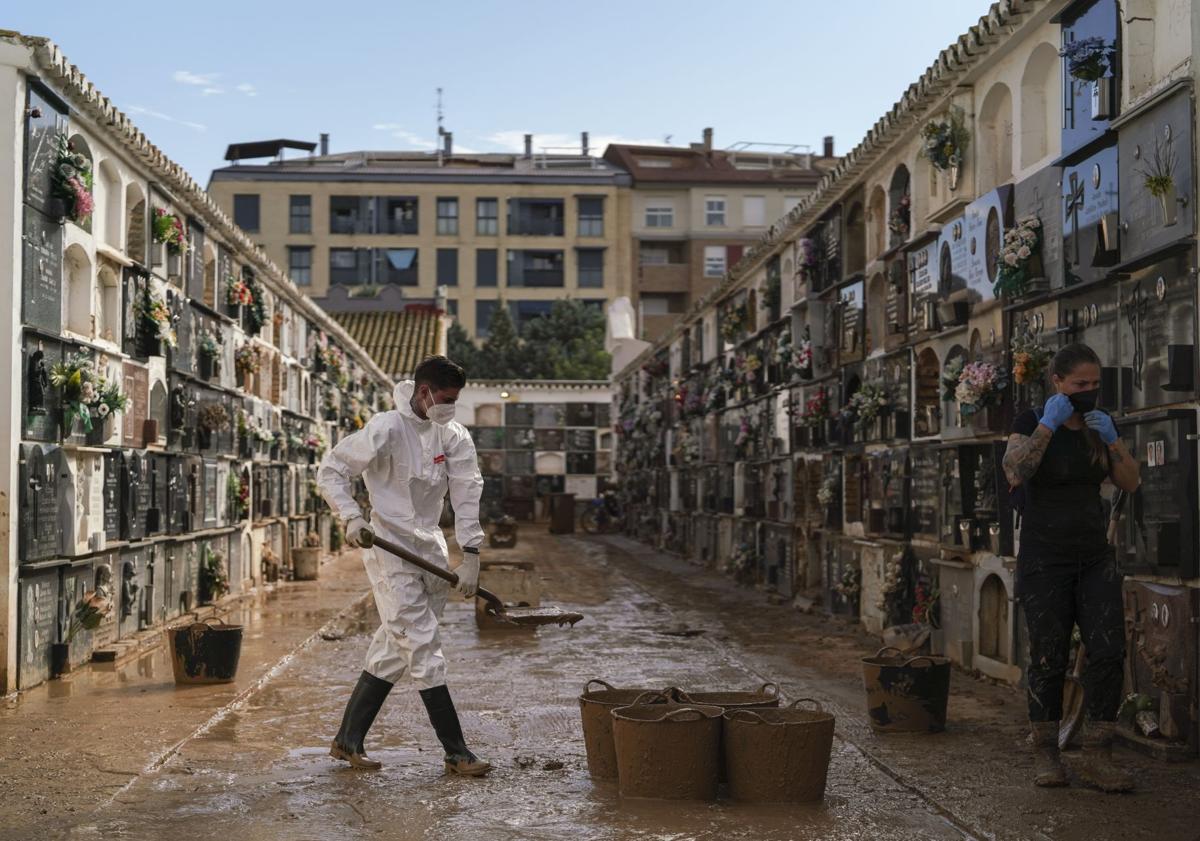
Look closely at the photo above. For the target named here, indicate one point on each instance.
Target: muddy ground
(124, 754)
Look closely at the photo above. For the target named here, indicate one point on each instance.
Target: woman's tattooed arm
(1024, 455)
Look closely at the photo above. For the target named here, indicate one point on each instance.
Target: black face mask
(1085, 401)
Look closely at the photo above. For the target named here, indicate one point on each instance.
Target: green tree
(503, 355)
(568, 344)
(462, 350)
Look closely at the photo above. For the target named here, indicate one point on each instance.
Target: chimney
(529, 146)
(708, 140)
(324, 143)
(829, 145)
(583, 142)
(447, 143)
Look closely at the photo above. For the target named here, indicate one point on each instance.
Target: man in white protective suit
(407, 457)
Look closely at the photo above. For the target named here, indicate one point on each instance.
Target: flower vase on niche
(101, 430)
(1102, 98)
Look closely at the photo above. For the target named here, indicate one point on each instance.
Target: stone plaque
(195, 260)
(136, 385)
(603, 415)
(581, 440)
(182, 356)
(128, 581)
(582, 463)
(42, 275)
(581, 414)
(112, 496)
(1159, 535)
(1158, 142)
(954, 258)
(212, 492)
(550, 439)
(519, 487)
(546, 485)
(925, 491)
(852, 323)
(179, 518)
(951, 497)
(136, 494)
(1090, 210)
(923, 279)
(45, 119)
(160, 477)
(77, 580)
(1040, 196)
(549, 415)
(1162, 652)
(518, 463)
(42, 407)
(37, 609)
(491, 463)
(518, 414)
(520, 438)
(1156, 334)
(985, 221)
(41, 535)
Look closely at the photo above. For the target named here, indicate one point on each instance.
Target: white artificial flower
(1023, 252)
(102, 410)
(1010, 259)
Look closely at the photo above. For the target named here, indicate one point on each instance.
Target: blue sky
(764, 71)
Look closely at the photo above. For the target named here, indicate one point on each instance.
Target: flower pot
(209, 367)
(101, 430)
(234, 311)
(1169, 205)
(203, 438)
(952, 176)
(1102, 98)
(151, 345)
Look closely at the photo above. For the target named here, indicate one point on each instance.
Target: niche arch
(1040, 94)
(994, 149)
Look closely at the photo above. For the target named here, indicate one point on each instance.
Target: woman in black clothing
(1066, 571)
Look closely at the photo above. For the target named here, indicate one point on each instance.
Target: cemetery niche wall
(150, 378)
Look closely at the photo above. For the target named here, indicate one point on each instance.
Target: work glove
(1102, 423)
(1058, 408)
(354, 528)
(468, 574)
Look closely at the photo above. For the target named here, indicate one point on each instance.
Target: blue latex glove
(1103, 424)
(1056, 411)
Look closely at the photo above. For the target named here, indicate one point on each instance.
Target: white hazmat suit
(407, 464)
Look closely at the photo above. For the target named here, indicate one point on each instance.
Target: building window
(714, 211)
(486, 267)
(591, 217)
(483, 318)
(447, 216)
(535, 217)
(300, 215)
(447, 267)
(452, 307)
(523, 312)
(714, 261)
(397, 215)
(349, 266)
(591, 267)
(396, 266)
(660, 215)
(535, 268)
(300, 264)
(245, 212)
(487, 217)
(349, 214)
(754, 211)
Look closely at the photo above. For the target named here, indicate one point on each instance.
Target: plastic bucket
(667, 751)
(906, 694)
(205, 652)
(595, 706)
(778, 755)
(767, 696)
(306, 563)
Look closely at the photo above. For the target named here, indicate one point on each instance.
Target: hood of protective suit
(402, 394)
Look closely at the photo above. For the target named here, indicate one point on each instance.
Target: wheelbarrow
(518, 615)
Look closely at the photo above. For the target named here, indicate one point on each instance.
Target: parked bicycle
(602, 514)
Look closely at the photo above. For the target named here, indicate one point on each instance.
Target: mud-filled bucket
(778, 755)
(766, 696)
(595, 706)
(205, 652)
(667, 751)
(906, 694)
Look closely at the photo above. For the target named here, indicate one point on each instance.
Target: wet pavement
(123, 754)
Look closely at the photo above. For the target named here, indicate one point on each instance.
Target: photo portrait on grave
(407, 457)
(1058, 456)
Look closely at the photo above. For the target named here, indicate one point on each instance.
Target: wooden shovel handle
(368, 540)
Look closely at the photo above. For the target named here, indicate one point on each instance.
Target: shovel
(525, 616)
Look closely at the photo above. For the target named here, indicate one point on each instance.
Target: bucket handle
(674, 715)
(587, 687)
(795, 704)
(771, 690)
(678, 695)
(745, 715)
(655, 696)
(924, 657)
(886, 648)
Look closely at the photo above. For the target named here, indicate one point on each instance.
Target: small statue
(39, 382)
(129, 589)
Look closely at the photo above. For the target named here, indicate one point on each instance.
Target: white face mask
(440, 413)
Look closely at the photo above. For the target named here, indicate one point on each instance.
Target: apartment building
(695, 209)
(526, 229)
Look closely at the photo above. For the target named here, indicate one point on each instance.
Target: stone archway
(993, 619)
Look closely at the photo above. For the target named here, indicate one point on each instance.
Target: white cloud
(247, 88)
(212, 91)
(558, 142)
(159, 115)
(398, 131)
(187, 77)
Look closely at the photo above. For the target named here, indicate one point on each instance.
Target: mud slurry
(264, 773)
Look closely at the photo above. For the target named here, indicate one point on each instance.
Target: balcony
(664, 277)
(538, 218)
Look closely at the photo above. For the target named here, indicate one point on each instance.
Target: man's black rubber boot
(444, 718)
(364, 704)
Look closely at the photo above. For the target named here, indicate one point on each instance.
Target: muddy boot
(1094, 763)
(444, 718)
(1047, 768)
(360, 714)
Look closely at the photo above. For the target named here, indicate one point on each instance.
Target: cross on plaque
(1074, 201)
(1135, 314)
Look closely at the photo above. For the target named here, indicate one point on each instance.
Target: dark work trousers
(1060, 588)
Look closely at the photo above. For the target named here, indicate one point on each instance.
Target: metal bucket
(778, 755)
(595, 707)
(906, 695)
(667, 751)
(205, 652)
